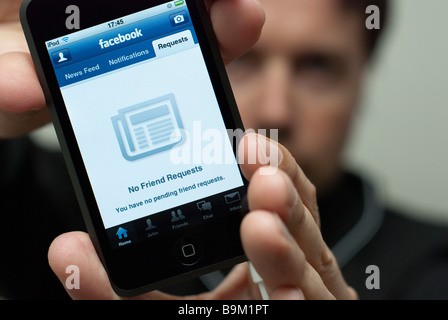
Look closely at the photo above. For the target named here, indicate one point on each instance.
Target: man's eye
(316, 63)
(250, 59)
(246, 66)
(317, 72)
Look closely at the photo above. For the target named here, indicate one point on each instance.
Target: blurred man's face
(303, 78)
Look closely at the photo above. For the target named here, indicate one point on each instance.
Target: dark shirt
(411, 255)
(38, 204)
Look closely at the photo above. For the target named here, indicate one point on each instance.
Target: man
(293, 260)
(304, 77)
(294, 264)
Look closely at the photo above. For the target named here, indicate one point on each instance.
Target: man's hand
(22, 102)
(280, 236)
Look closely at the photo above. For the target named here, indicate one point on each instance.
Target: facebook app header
(94, 51)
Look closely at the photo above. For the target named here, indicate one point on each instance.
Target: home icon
(122, 233)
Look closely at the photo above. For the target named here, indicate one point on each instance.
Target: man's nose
(274, 109)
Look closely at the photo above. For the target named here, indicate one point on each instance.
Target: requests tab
(172, 44)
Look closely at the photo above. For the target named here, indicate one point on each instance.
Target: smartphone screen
(155, 145)
(147, 121)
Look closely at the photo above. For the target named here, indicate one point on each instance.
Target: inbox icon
(148, 128)
(232, 197)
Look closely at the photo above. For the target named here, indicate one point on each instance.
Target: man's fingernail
(295, 294)
(269, 154)
(294, 197)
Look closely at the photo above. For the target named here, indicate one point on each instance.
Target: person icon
(62, 58)
(180, 215)
(174, 217)
(150, 226)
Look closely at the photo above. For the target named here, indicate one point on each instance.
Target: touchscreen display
(147, 123)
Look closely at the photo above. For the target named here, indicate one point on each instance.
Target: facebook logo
(121, 38)
(61, 56)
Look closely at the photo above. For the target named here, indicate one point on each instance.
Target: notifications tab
(172, 44)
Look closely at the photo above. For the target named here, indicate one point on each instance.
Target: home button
(188, 251)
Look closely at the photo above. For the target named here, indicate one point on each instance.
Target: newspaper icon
(148, 128)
